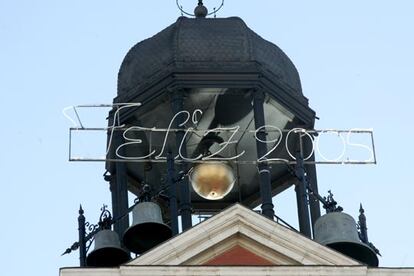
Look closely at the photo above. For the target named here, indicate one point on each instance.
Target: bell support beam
(263, 167)
(301, 192)
(119, 190)
(177, 102)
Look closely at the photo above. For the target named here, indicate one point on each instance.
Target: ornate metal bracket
(329, 204)
(88, 230)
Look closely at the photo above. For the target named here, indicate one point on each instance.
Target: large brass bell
(338, 231)
(212, 180)
(148, 229)
(107, 251)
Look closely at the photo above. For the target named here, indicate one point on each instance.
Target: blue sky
(355, 59)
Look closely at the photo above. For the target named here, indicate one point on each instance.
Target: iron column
(82, 242)
(301, 192)
(172, 193)
(263, 167)
(315, 210)
(185, 202)
(120, 190)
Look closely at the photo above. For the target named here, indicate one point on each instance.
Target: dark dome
(209, 44)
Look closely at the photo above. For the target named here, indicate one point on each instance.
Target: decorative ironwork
(363, 230)
(145, 195)
(362, 225)
(91, 228)
(105, 222)
(89, 242)
(215, 9)
(329, 204)
(73, 247)
(105, 219)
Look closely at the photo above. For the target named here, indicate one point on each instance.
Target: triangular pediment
(241, 230)
(240, 250)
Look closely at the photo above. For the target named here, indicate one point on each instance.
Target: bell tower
(209, 115)
(224, 93)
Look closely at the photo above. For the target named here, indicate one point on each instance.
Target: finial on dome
(200, 11)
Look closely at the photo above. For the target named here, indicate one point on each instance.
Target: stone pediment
(240, 236)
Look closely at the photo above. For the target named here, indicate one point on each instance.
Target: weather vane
(200, 10)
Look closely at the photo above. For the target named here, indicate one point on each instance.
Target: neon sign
(347, 141)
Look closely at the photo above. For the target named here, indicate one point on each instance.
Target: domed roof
(209, 44)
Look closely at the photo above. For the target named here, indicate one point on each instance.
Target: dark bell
(107, 252)
(148, 229)
(338, 231)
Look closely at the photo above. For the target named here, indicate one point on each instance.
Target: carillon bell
(212, 180)
(148, 229)
(108, 251)
(338, 231)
